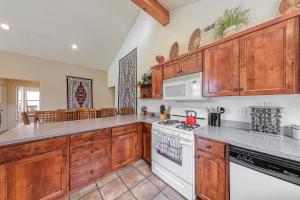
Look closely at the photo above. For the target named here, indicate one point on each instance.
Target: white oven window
(169, 147)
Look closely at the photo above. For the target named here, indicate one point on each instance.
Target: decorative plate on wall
(174, 52)
(289, 6)
(194, 42)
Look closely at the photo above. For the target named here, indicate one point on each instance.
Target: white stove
(173, 150)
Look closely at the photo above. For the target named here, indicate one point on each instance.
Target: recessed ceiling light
(5, 27)
(74, 46)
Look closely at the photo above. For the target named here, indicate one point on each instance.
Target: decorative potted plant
(232, 21)
(146, 78)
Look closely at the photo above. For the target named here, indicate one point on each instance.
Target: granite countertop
(42, 131)
(284, 147)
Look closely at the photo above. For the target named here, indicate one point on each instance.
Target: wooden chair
(126, 111)
(108, 112)
(69, 115)
(87, 113)
(25, 118)
(42, 117)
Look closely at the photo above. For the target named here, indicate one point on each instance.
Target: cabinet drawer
(82, 175)
(211, 147)
(88, 137)
(124, 129)
(18, 152)
(147, 127)
(83, 154)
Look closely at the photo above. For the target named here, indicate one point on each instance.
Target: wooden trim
(155, 9)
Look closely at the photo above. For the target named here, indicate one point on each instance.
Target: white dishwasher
(259, 176)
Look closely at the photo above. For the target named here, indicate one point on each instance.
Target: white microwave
(182, 88)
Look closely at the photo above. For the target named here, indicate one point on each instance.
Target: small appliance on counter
(266, 119)
(214, 116)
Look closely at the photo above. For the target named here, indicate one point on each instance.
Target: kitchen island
(47, 161)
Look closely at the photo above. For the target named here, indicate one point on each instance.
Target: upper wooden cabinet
(189, 64)
(157, 82)
(171, 69)
(268, 59)
(221, 69)
(264, 61)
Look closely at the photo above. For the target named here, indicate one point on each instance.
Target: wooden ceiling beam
(155, 9)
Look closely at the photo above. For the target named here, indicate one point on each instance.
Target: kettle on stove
(191, 117)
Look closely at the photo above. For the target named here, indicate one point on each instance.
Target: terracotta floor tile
(160, 184)
(132, 178)
(92, 196)
(125, 170)
(145, 190)
(83, 192)
(139, 163)
(145, 169)
(106, 180)
(113, 189)
(172, 194)
(126, 196)
(160, 196)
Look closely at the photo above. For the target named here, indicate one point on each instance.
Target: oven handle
(185, 143)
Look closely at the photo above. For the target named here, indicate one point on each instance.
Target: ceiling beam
(155, 9)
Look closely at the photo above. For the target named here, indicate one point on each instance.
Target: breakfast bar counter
(35, 132)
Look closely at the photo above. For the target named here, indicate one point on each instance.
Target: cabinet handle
(241, 89)
(208, 146)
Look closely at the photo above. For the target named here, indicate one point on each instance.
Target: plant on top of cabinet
(231, 21)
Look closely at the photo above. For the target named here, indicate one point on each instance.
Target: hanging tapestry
(127, 81)
(79, 92)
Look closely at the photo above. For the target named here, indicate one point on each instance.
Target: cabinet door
(268, 59)
(171, 70)
(221, 69)
(191, 64)
(157, 82)
(123, 150)
(147, 146)
(139, 143)
(39, 177)
(210, 177)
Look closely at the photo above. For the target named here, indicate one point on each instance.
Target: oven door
(180, 168)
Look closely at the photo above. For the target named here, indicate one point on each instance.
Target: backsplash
(237, 108)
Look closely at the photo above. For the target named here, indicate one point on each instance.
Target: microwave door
(176, 90)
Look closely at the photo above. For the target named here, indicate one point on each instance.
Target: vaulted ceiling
(48, 28)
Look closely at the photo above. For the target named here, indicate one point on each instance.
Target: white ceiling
(47, 28)
(173, 4)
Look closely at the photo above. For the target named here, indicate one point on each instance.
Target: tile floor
(135, 182)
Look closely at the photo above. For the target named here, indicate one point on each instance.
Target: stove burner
(169, 122)
(187, 127)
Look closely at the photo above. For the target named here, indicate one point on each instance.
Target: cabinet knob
(92, 151)
(91, 171)
(198, 156)
(241, 89)
(208, 146)
(36, 148)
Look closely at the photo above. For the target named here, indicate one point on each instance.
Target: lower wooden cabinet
(126, 145)
(211, 171)
(44, 176)
(147, 142)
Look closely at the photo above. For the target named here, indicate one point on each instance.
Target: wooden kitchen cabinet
(211, 168)
(191, 64)
(90, 157)
(147, 142)
(126, 145)
(39, 176)
(157, 82)
(221, 69)
(268, 60)
(171, 70)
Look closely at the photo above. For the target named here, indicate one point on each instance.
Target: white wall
(52, 78)
(152, 39)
